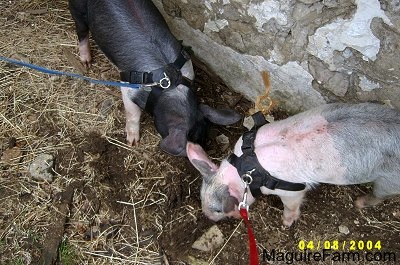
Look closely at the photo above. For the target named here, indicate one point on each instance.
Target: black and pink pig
(135, 37)
(338, 143)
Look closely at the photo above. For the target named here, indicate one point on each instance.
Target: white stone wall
(315, 51)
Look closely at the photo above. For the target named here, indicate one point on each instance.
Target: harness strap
(162, 78)
(250, 136)
(172, 71)
(248, 161)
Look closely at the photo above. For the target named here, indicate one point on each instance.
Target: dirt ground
(112, 204)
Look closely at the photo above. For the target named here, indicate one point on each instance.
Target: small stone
(344, 229)
(212, 239)
(41, 167)
(32, 117)
(388, 103)
(54, 78)
(356, 222)
(248, 122)
(270, 118)
(22, 16)
(222, 139)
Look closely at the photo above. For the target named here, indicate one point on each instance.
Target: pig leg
(367, 201)
(79, 14)
(291, 205)
(383, 187)
(84, 52)
(132, 114)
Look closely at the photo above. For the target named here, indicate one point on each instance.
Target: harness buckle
(164, 80)
(247, 178)
(244, 205)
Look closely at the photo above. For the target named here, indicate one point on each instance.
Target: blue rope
(55, 72)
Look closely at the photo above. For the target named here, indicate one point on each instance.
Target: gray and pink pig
(338, 143)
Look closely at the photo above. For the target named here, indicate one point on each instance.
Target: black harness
(248, 163)
(160, 79)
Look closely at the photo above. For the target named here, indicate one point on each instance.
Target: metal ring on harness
(247, 178)
(163, 80)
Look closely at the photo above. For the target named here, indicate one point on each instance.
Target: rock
(388, 103)
(248, 122)
(210, 240)
(54, 78)
(270, 118)
(41, 167)
(344, 229)
(336, 82)
(222, 139)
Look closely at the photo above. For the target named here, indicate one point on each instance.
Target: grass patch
(67, 253)
(18, 262)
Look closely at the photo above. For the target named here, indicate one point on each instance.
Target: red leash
(252, 240)
(243, 209)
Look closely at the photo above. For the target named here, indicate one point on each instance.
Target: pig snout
(218, 203)
(174, 143)
(220, 207)
(179, 118)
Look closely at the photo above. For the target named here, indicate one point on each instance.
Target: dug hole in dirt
(111, 204)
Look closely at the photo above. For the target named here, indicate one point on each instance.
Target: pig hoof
(85, 61)
(288, 223)
(87, 65)
(132, 142)
(132, 133)
(366, 201)
(132, 138)
(84, 52)
(288, 219)
(360, 203)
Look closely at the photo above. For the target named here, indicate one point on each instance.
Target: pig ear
(200, 160)
(174, 143)
(221, 117)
